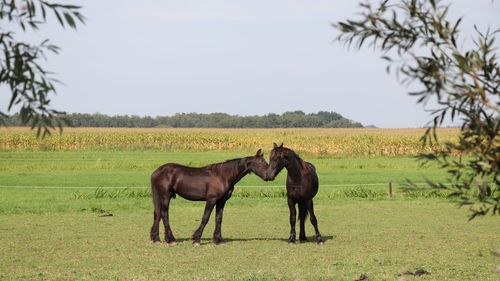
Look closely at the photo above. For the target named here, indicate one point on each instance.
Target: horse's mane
(224, 167)
(301, 161)
(294, 153)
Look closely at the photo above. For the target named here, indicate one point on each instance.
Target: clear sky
(238, 57)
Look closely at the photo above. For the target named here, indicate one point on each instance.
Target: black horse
(301, 187)
(213, 183)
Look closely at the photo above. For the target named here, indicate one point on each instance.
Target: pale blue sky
(238, 57)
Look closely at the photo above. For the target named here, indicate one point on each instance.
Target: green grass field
(85, 215)
(132, 169)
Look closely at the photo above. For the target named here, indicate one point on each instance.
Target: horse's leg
(204, 220)
(302, 219)
(219, 209)
(169, 236)
(314, 221)
(293, 213)
(155, 229)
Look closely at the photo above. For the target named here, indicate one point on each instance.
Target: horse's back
(163, 176)
(165, 170)
(174, 168)
(312, 171)
(192, 183)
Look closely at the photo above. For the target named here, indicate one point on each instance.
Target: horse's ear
(259, 153)
(281, 146)
(274, 145)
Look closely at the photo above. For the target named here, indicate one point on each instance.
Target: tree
(30, 85)
(418, 41)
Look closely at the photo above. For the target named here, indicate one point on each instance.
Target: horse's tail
(155, 194)
(302, 210)
(157, 207)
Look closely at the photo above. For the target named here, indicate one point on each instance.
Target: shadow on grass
(310, 239)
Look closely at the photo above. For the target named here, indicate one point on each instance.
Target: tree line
(290, 119)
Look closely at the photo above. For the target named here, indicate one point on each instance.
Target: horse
(301, 187)
(213, 183)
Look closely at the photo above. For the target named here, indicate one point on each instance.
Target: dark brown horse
(213, 183)
(301, 187)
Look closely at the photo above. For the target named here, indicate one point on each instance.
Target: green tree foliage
(295, 119)
(21, 70)
(420, 44)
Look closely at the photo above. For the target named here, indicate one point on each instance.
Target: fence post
(390, 189)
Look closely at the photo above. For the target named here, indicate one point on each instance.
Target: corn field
(318, 142)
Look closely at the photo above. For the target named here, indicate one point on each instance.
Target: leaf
(433, 3)
(44, 12)
(59, 18)
(461, 61)
(69, 20)
(454, 32)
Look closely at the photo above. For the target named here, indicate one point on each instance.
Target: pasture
(83, 211)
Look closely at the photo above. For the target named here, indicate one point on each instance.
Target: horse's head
(257, 164)
(278, 159)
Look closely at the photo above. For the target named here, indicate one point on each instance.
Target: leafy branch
(418, 41)
(21, 70)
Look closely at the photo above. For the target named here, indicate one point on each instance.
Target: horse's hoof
(218, 242)
(155, 241)
(303, 240)
(321, 243)
(171, 243)
(196, 244)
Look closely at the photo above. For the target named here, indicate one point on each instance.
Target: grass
(43, 200)
(132, 169)
(73, 220)
(381, 239)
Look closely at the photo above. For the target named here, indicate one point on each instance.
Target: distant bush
(291, 119)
